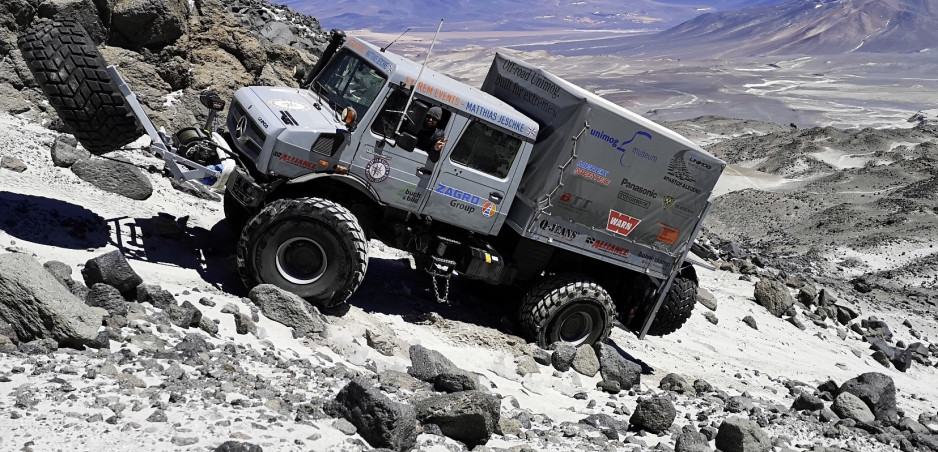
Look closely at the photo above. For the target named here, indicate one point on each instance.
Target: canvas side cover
(600, 165)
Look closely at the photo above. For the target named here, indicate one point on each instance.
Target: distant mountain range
(514, 15)
(810, 27)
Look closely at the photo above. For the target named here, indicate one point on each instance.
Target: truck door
(473, 180)
(400, 178)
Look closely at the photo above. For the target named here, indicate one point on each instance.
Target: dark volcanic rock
(774, 296)
(380, 421)
(737, 434)
(468, 416)
(34, 303)
(155, 295)
(106, 296)
(878, 391)
(615, 367)
(115, 177)
(112, 269)
(431, 366)
(146, 23)
(654, 414)
(287, 308)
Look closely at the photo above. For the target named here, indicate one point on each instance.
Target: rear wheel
(567, 308)
(311, 247)
(71, 72)
(675, 310)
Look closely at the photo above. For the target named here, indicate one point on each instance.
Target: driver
(429, 138)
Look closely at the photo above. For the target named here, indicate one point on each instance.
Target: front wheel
(311, 247)
(567, 308)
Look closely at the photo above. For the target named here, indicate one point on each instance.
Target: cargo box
(602, 179)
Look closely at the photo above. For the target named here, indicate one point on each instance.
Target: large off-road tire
(567, 308)
(311, 247)
(676, 308)
(71, 72)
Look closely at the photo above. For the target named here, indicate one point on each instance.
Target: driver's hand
(439, 144)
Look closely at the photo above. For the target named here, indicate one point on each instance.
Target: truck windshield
(349, 81)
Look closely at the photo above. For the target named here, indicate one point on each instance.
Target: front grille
(252, 136)
(327, 144)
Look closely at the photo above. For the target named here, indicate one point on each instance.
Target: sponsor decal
(435, 92)
(672, 206)
(623, 145)
(632, 199)
(287, 104)
(377, 169)
(643, 259)
(607, 247)
(462, 206)
(557, 230)
(294, 160)
(639, 189)
(592, 173)
(409, 194)
(621, 223)
(574, 202)
(488, 209)
(386, 65)
(466, 199)
(679, 175)
(668, 234)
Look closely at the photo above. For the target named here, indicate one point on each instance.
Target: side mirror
(406, 141)
(415, 116)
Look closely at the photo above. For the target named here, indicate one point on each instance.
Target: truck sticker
(622, 147)
(558, 231)
(632, 199)
(377, 169)
(607, 247)
(592, 173)
(488, 209)
(639, 189)
(574, 203)
(679, 175)
(462, 206)
(432, 91)
(446, 190)
(672, 206)
(668, 234)
(409, 194)
(386, 65)
(504, 120)
(294, 160)
(621, 223)
(287, 104)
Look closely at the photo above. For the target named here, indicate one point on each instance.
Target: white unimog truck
(581, 207)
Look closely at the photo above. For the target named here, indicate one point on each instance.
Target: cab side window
(486, 149)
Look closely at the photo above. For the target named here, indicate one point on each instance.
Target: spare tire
(71, 72)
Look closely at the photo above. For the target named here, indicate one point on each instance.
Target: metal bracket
(182, 168)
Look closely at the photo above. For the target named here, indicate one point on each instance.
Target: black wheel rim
(301, 260)
(576, 324)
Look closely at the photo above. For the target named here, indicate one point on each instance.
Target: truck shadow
(168, 240)
(394, 287)
(51, 222)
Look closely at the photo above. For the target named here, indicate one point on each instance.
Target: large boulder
(654, 414)
(615, 367)
(468, 416)
(148, 23)
(113, 269)
(849, 406)
(738, 434)
(83, 11)
(379, 420)
(878, 391)
(116, 177)
(774, 296)
(432, 367)
(37, 306)
(287, 308)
